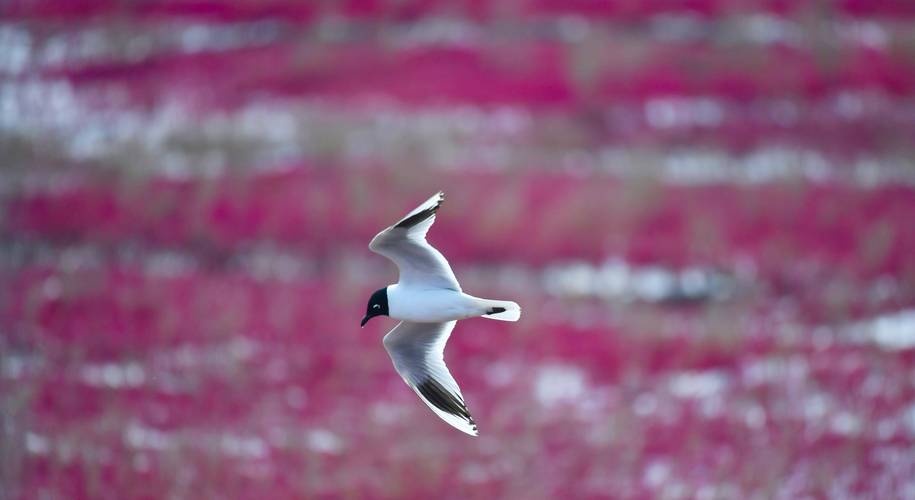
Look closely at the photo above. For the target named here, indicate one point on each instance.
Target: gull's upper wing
(417, 350)
(405, 243)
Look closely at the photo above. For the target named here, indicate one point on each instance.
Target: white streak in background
(555, 384)
(141, 437)
(678, 28)
(767, 29)
(250, 447)
(682, 112)
(892, 332)
(266, 262)
(698, 385)
(113, 375)
(114, 43)
(169, 264)
(14, 366)
(573, 28)
(774, 370)
(443, 31)
(653, 284)
(119, 42)
(324, 441)
(146, 438)
(242, 349)
(221, 37)
(263, 134)
(616, 280)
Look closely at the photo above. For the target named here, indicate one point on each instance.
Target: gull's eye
(376, 306)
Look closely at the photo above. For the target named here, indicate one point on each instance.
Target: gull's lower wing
(405, 243)
(417, 350)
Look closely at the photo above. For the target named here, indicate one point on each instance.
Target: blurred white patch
(169, 264)
(893, 332)
(439, 30)
(909, 419)
(387, 413)
(474, 473)
(569, 280)
(656, 473)
(645, 404)
(52, 287)
(242, 349)
(671, 112)
(846, 424)
(324, 441)
(251, 447)
(755, 417)
(573, 28)
(142, 437)
(17, 49)
(712, 406)
(653, 284)
(13, 366)
(268, 263)
(617, 280)
(868, 33)
(816, 406)
(886, 429)
(113, 375)
(766, 29)
(502, 373)
(557, 383)
(774, 370)
(36, 444)
(698, 384)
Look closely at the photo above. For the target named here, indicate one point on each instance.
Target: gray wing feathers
(417, 350)
(420, 264)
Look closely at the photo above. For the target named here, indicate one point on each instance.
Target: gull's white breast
(425, 305)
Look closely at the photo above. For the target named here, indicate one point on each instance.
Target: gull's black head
(378, 305)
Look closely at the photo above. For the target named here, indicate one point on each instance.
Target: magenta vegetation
(705, 209)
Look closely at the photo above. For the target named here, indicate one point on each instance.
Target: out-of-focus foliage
(705, 209)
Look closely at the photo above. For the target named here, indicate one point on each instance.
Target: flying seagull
(429, 302)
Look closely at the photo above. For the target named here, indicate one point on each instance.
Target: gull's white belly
(440, 305)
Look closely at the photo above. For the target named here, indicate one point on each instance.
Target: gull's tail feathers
(502, 310)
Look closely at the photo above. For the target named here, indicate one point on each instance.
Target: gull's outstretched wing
(420, 264)
(417, 350)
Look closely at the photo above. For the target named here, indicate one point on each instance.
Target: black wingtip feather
(423, 214)
(444, 400)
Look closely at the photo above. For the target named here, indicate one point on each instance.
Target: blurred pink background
(705, 208)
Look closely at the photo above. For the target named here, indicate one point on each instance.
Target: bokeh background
(705, 207)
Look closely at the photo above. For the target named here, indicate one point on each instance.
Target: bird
(428, 301)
